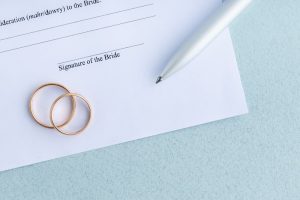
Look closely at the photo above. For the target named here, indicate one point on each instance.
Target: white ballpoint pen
(206, 33)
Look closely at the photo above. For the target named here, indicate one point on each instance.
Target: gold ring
(43, 124)
(73, 95)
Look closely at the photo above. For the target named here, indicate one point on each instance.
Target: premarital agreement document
(111, 52)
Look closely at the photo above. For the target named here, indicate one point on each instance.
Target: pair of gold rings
(53, 125)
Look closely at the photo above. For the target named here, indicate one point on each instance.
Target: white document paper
(131, 40)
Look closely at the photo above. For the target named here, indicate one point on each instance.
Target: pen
(206, 33)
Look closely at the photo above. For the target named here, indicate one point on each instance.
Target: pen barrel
(207, 32)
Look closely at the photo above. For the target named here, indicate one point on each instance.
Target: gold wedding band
(42, 123)
(58, 128)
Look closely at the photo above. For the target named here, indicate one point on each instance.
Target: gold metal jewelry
(40, 122)
(73, 95)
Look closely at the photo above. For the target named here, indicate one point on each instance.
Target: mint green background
(253, 157)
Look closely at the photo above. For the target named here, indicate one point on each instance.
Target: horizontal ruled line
(76, 34)
(87, 19)
(75, 59)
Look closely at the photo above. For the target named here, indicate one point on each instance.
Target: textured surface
(256, 156)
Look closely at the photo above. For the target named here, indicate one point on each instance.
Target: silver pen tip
(159, 79)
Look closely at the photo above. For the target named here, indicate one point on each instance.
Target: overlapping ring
(59, 127)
